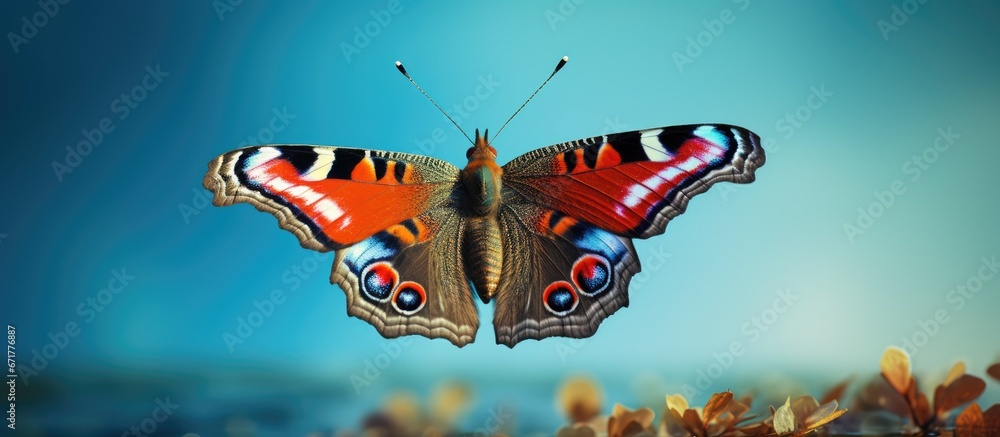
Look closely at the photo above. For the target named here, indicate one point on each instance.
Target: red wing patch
(331, 197)
(633, 183)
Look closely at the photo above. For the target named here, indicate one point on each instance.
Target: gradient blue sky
(195, 275)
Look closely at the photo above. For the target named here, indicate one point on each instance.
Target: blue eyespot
(378, 280)
(410, 298)
(592, 274)
(560, 298)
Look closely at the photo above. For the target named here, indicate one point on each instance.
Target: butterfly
(547, 237)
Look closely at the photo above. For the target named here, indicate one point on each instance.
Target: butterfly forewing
(330, 197)
(633, 183)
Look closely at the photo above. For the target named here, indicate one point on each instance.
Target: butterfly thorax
(482, 245)
(481, 177)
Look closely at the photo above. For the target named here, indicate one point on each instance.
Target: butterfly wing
(571, 210)
(561, 276)
(388, 215)
(634, 183)
(330, 197)
(410, 279)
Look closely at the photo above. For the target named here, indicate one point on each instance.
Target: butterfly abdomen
(483, 253)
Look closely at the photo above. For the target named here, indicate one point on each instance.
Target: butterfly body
(481, 243)
(546, 238)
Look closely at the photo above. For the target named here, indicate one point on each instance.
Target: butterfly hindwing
(409, 279)
(330, 197)
(561, 276)
(633, 183)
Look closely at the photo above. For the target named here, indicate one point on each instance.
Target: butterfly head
(482, 148)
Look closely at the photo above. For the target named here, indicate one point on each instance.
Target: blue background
(135, 203)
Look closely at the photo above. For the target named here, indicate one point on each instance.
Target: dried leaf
(737, 409)
(403, 409)
(896, 369)
(613, 425)
(672, 424)
(677, 403)
(823, 415)
(992, 417)
(577, 430)
(716, 404)
(448, 402)
(836, 392)
(802, 407)
(938, 394)
(625, 422)
(645, 416)
(963, 390)
(784, 418)
(994, 371)
(878, 395)
(757, 429)
(921, 409)
(821, 412)
(580, 399)
(957, 370)
(632, 429)
(970, 418)
(692, 421)
(720, 424)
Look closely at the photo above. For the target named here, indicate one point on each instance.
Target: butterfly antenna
(559, 66)
(399, 66)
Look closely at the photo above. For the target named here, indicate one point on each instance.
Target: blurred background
(873, 223)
